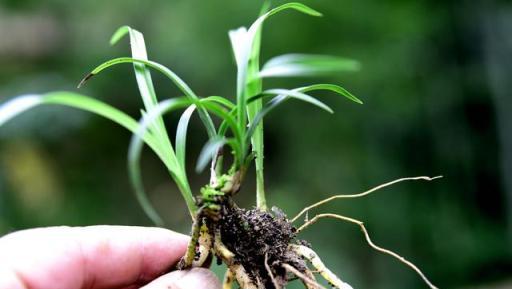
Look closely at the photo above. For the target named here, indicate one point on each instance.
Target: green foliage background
(435, 80)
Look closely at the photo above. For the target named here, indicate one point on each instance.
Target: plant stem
(254, 87)
(186, 192)
(261, 201)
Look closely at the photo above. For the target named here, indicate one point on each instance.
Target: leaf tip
(308, 10)
(119, 34)
(316, 14)
(84, 80)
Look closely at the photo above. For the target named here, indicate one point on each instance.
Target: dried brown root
(369, 241)
(317, 263)
(305, 210)
(229, 277)
(307, 279)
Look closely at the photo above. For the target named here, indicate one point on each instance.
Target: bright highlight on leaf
(306, 65)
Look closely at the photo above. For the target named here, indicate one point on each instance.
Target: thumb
(196, 278)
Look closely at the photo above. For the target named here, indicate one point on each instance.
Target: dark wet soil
(254, 237)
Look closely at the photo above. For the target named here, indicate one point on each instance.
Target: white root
(270, 274)
(311, 276)
(307, 280)
(370, 242)
(205, 245)
(306, 209)
(317, 263)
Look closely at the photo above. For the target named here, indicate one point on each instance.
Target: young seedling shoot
(260, 248)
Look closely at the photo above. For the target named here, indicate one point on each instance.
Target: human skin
(97, 257)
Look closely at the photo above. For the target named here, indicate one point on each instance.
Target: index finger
(87, 257)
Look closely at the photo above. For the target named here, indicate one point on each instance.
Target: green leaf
(331, 87)
(20, 104)
(299, 94)
(143, 75)
(171, 161)
(286, 93)
(148, 94)
(306, 65)
(246, 48)
(243, 42)
(238, 40)
(181, 135)
(231, 122)
(209, 152)
(282, 96)
(296, 6)
(221, 100)
(207, 121)
(119, 34)
(224, 125)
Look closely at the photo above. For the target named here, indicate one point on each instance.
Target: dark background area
(436, 79)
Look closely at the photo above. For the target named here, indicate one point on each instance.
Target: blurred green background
(436, 79)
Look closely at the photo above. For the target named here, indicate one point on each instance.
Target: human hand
(97, 257)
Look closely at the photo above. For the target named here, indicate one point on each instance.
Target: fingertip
(196, 278)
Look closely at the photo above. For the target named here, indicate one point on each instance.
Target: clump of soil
(258, 238)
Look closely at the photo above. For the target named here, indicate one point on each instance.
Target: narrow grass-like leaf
(287, 93)
(155, 65)
(119, 34)
(181, 135)
(20, 104)
(282, 96)
(223, 114)
(140, 193)
(296, 93)
(144, 81)
(224, 125)
(243, 43)
(207, 121)
(173, 162)
(246, 48)
(238, 39)
(221, 100)
(306, 65)
(323, 86)
(173, 165)
(231, 122)
(331, 87)
(209, 152)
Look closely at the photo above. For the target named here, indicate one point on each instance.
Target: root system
(261, 248)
